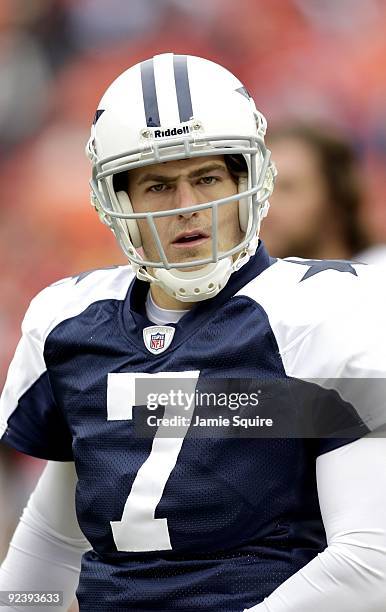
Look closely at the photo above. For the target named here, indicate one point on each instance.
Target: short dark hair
(340, 168)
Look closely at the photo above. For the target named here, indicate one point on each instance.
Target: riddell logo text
(171, 132)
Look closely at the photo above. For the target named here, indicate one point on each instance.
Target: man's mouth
(190, 239)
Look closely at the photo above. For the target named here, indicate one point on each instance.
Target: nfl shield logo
(157, 341)
(158, 338)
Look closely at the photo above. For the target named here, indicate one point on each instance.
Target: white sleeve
(350, 574)
(47, 546)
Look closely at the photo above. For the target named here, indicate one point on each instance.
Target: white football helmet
(173, 107)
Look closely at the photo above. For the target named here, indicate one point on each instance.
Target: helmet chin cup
(125, 206)
(197, 285)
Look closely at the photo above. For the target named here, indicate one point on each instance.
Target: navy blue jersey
(190, 522)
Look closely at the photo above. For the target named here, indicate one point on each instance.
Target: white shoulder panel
(62, 300)
(71, 296)
(331, 327)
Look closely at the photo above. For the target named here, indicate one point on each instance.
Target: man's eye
(158, 188)
(208, 180)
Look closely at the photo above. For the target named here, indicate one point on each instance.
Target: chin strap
(197, 285)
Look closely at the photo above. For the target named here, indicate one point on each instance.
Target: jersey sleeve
(344, 356)
(30, 419)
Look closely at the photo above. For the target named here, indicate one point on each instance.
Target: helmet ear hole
(243, 204)
(125, 206)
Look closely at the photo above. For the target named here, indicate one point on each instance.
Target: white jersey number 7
(138, 530)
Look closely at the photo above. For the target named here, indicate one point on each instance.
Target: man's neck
(164, 300)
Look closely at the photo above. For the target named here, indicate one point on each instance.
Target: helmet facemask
(195, 279)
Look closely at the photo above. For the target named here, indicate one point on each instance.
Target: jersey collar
(134, 312)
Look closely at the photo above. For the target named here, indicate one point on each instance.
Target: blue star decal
(82, 275)
(319, 265)
(244, 92)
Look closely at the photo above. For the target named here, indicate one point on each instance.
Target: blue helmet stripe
(149, 94)
(181, 78)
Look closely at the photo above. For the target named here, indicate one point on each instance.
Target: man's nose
(185, 196)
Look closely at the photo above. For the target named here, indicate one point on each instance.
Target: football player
(232, 520)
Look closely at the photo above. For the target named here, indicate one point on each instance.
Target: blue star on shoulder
(319, 265)
(82, 275)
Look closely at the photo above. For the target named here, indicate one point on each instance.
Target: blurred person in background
(319, 198)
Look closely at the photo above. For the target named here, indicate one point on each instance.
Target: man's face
(300, 205)
(177, 185)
